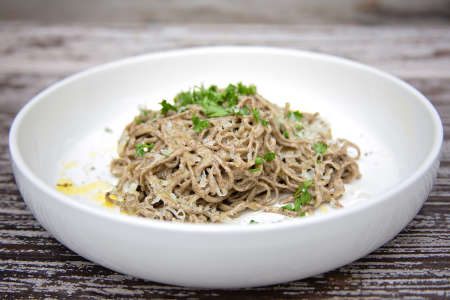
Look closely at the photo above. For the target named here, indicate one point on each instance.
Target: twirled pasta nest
(216, 153)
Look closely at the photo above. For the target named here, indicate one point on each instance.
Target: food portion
(215, 153)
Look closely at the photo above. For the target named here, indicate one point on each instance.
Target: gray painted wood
(414, 264)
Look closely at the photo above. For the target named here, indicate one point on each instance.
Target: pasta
(216, 153)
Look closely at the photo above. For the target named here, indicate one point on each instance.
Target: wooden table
(32, 56)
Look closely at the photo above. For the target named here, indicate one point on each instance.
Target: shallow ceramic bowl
(368, 101)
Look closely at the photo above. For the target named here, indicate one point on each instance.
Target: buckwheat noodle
(211, 175)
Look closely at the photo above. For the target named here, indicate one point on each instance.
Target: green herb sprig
(199, 125)
(141, 149)
(304, 197)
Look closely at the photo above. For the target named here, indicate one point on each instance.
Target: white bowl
(359, 101)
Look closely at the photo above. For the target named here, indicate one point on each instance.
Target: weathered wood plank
(33, 265)
(233, 11)
(406, 51)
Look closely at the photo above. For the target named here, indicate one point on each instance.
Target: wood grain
(416, 264)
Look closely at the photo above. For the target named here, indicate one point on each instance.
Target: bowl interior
(366, 106)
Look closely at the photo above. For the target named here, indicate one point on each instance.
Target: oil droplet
(98, 197)
(323, 208)
(66, 186)
(69, 165)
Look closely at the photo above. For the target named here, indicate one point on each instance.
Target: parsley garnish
(215, 103)
(244, 90)
(320, 147)
(243, 111)
(305, 196)
(253, 222)
(142, 148)
(298, 115)
(285, 133)
(108, 130)
(139, 121)
(258, 161)
(288, 207)
(166, 106)
(199, 125)
(295, 114)
(257, 118)
(144, 111)
(299, 127)
(214, 110)
(269, 156)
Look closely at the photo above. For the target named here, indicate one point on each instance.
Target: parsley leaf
(108, 130)
(299, 127)
(144, 111)
(298, 115)
(215, 103)
(199, 125)
(285, 133)
(305, 196)
(142, 148)
(246, 90)
(214, 110)
(253, 222)
(167, 106)
(257, 118)
(320, 147)
(243, 111)
(258, 161)
(269, 156)
(139, 121)
(288, 207)
(255, 170)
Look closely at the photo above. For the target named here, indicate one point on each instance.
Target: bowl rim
(427, 163)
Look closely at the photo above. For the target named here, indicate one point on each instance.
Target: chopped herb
(258, 161)
(303, 214)
(253, 222)
(108, 130)
(299, 127)
(243, 111)
(257, 118)
(320, 147)
(215, 103)
(288, 207)
(285, 133)
(269, 156)
(301, 188)
(199, 125)
(298, 115)
(230, 95)
(305, 196)
(255, 170)
(142, 148)
(144, 111)
(184, 98)
(246, 90)
(166, 106)
(215, 110)
(139, 121)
